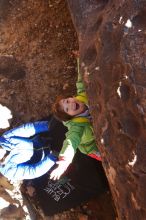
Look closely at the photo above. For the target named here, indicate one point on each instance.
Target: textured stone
(112, 39)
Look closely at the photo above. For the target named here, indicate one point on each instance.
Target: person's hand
(62, 166)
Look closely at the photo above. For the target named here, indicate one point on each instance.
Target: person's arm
(28, 129)
(12, 138)
(29, 171)
(72, 141)
(70, 145)
(79, 84)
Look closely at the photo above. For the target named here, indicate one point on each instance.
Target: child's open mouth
(77, 106)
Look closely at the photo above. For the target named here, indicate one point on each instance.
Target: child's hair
(58, 111)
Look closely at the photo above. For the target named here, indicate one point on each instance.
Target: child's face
(72, 106)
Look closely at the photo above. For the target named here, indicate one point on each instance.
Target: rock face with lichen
(112, 41)
(36, 65)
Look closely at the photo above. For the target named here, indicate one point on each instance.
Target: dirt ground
(37, 40)
(36, 65)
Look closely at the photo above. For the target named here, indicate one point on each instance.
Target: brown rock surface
(112, 39)
(36, 64)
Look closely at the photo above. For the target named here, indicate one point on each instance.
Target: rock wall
(112, 41)
(36, 65)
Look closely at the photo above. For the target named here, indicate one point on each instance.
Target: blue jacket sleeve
(28, 129)
(16, 172)
(14, 137)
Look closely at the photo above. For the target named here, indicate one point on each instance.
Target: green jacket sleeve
(72, 141)
(79, 83)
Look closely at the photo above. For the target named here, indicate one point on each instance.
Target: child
(18, 146)
(74, 111)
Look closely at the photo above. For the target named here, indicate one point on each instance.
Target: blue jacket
(20, 146)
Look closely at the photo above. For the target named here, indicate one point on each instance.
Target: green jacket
(80, 131)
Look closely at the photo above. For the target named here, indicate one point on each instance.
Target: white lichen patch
(97, 68)
(118, 90)
(126, 77)
(102, 141)
(128, 24)
(131, 163)
(120, 20)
